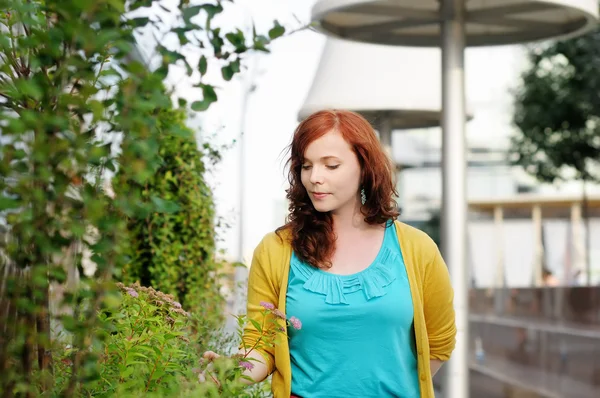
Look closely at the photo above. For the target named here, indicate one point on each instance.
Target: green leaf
(211, 10)
(158, 374)
(209, 93)
(256, 325)
(181, 35)
(57, 274)
(238, 40)
(29, 88)
(139, 22)
(276, 31)
(110, 165)
(200, 106)
(157, 351)
(97, 109)
(210, 96)
(68, 322)
(164, 206)
(127, 372)
(227, 72)
(189, 12)
(202, 65)
(260, 43)
(169, 56)
(235, 65)
(181, 131)
(9, 203)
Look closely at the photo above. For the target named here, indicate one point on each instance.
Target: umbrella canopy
(487, 22)
(379, 82)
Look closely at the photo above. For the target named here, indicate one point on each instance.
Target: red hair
(312, 235)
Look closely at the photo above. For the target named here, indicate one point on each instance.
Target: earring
(363, 196)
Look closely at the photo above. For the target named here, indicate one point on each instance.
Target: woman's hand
(207, 375)
(210, 355)
(255, 370)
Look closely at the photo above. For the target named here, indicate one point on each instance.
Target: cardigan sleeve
(261, 290)
(438, 297)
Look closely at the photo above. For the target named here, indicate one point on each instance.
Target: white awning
(488, 22)
(378, 81)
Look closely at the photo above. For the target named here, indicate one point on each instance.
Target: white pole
(241, 273)
(536, 216)
(385, 133)
(499, 235)
(454, 204)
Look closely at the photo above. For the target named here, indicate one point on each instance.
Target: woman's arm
(252, 349)
(257, 372)
(262, 288)
(435, 365)
(438, 306)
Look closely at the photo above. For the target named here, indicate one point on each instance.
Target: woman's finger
(210, 355)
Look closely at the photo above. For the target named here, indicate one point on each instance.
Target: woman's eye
(306, 167)
(333, 167)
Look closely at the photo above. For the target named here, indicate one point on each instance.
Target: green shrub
(174, 250)
(78, 103)
(146, 347)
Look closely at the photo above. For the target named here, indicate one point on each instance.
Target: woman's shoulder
(414, 236)
(276, 240)
(272, 254)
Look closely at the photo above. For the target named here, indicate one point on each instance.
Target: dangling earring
(363, 196)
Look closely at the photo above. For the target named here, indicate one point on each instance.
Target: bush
(173, 250)
(77, 103)
(147, 346)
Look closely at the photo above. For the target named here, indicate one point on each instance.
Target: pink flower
(278, 313)
(132, 292)
(267, 306)
(176, 304)
(246, 365)
(296, 323)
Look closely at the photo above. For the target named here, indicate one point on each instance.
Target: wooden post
(498, 222)
(577, 260)
(538, 253)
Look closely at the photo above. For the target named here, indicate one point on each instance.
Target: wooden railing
(536, 342)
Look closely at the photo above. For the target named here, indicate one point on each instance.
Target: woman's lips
(319, 195)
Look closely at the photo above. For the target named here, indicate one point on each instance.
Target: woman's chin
(321, 207)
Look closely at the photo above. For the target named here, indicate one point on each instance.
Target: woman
(373, 294)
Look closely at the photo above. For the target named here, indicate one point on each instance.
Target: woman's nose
(316, 177)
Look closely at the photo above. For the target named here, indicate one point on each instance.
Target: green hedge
(173, 250)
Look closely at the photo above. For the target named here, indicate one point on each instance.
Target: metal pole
(454, 204)
(588, 236)
(385, 133)
(242, 153)
(240, 275)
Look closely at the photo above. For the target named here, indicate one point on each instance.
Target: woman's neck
(348, 219)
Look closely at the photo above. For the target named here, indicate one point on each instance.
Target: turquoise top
(357, 337)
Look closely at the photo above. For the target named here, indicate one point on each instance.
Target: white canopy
(401, 83)
(488, 22)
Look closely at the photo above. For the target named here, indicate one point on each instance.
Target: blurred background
(529, 276)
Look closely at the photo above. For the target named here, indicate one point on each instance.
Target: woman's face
(331, 173)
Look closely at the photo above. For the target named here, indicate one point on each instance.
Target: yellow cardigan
(429, 281)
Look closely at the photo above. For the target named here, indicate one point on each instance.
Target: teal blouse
(357, 337)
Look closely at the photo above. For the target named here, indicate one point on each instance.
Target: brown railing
(538, 342)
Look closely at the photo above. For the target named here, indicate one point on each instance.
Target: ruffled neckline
(373, 280)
